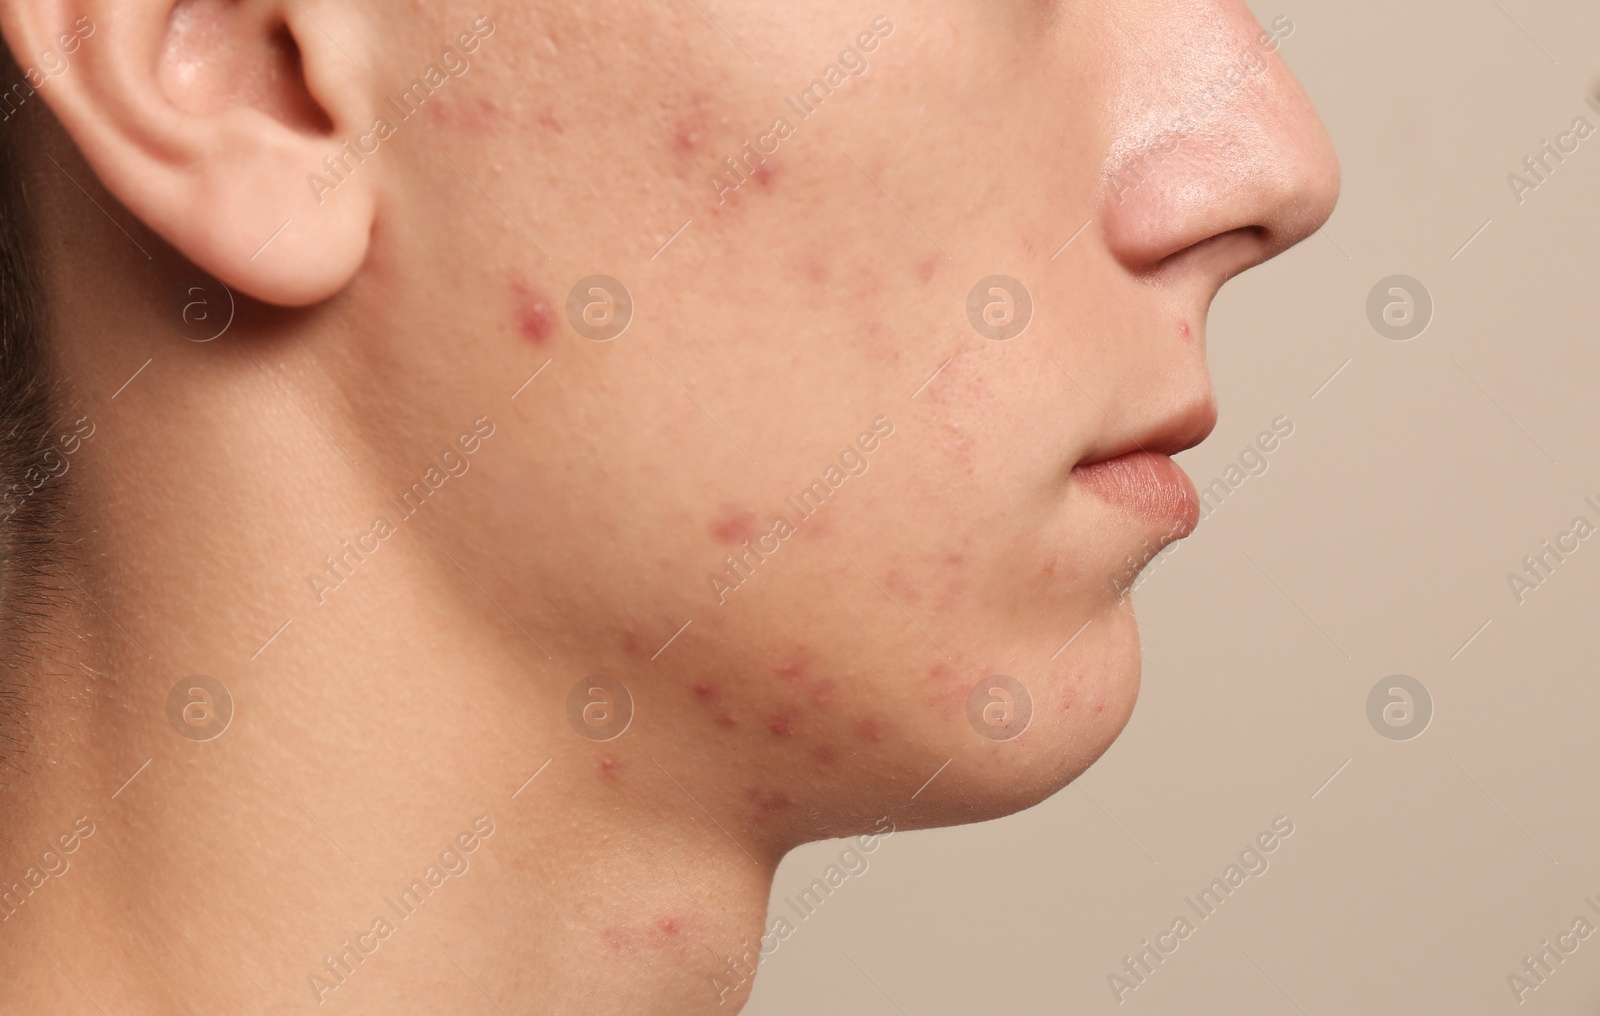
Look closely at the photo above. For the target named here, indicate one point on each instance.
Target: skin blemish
(734, 526)
(550, 122)
(823, 755)
(1184, 331)
(795, 671)
(868, 728)
(620, 941)
(947, 688)
(688, 131)
(815, 271)
(705, 692)
(781, 723)
(670, 926)
(533, 312)
(610, 767)
(630, 644)
(927, 269)
(762, 175)
(766, 803)
(725, 721)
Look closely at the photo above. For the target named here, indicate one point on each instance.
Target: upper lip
(1177, 431)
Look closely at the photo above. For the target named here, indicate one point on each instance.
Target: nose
(1221, 165)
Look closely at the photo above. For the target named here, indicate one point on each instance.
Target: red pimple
(550, 122)
(815, 270)
(869, 729)
(1183, 330)
(670, 926)
(927, 269)
(734, 526)
(610, 767)
(533, 311)
(823, 755)
(762, 175)
(725, 721)
(630, 644)
(689, 129)
(781, 723)
(705, 692)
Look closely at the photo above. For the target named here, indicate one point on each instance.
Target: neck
(398, 814)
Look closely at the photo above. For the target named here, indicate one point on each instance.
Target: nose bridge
(1213, 135)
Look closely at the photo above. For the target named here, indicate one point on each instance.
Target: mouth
(1148, 485)
(1139, 477)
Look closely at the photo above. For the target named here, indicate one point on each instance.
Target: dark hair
(31, 503)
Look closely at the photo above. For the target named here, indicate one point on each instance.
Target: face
(820, 443)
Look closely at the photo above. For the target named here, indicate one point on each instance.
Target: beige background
(1419, 878)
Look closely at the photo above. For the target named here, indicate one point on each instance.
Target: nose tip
(1229, 165)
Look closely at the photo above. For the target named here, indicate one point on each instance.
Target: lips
(1148, 485)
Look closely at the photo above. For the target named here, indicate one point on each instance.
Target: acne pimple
(763, 175)
(868, 728)
(725, 721)
(927, 269)
(781, 723)
(815, 270)
(734, 526)
(610, 767)
(1183, 330)
(550, 122)
(670, 926)
(823, 755)
(705, 692)
(688, 130)
(533, 312)
(630, 644)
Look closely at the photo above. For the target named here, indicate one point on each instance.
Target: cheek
(475, 116)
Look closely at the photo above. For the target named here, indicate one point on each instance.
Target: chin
(1080, 706)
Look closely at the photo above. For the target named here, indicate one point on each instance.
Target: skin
(817, 698)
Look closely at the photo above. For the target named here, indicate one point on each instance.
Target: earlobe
(211, 120)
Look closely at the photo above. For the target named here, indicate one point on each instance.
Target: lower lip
(1148, 485)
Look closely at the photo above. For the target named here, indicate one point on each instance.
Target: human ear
(207, 119)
